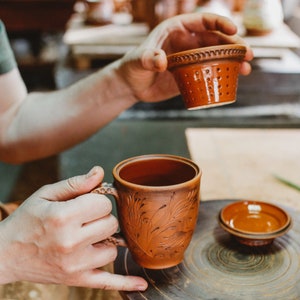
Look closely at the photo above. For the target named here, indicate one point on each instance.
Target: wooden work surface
(240, 163)
(80, 34)
(111, 41)
(88, 42)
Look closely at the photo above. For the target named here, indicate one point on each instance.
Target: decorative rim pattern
(231, 51)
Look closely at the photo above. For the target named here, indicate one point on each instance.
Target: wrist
(6, 257)
(118, 86)
(6, 260)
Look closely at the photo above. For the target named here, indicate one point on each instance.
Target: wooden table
(114, 40)
(88, 43)
(241, 163)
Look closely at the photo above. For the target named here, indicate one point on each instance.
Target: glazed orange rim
(166, 157)
(237, 210)
(257, 236)
(198, 55)
(203, 49)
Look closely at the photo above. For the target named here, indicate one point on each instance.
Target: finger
(88, 258)
(72, 187)
(87, 208)
(99, 230)
(193, 31)
(245, 68)
(90, 216)
(249, 53)
(100, 255)
(199, 22)
(219, 23)
(154, 60)
(108, 281)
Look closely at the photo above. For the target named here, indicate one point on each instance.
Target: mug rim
(121, 164)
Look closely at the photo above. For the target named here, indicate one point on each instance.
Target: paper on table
(240, 163)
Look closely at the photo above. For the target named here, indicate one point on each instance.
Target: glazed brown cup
(157, 198)
(207, 77)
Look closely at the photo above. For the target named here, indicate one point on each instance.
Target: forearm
(66, 117)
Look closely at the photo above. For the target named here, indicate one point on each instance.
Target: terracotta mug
(208, 76)
(157, 198)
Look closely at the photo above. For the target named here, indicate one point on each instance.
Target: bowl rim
(251, 234)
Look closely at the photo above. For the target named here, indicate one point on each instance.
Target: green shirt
(7, 58)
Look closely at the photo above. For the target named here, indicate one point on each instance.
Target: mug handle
(108, 189)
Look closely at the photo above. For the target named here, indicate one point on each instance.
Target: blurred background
(57, 42)
(87, 34)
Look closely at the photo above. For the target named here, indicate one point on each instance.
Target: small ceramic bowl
(208, 76)
(254, 223)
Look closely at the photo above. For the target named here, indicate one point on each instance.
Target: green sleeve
(7, 58)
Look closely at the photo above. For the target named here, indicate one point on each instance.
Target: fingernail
(92, 172)
(141, 287)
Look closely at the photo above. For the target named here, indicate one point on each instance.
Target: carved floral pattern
(159, 228)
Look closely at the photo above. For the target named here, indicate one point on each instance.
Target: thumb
(154, 60)
(72, 187)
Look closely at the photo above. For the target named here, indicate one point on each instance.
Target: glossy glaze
(207, 77)
(254, 223)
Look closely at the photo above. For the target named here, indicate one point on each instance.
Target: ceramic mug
(157, 197)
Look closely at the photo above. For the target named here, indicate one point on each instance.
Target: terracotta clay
(208, 76)
(254, 223)
(157, 199)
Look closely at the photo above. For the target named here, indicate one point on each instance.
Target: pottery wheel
(217, 267)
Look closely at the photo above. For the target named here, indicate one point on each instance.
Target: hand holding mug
(55, 237)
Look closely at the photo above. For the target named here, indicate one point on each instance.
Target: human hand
(144, 67)
(55, 237)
